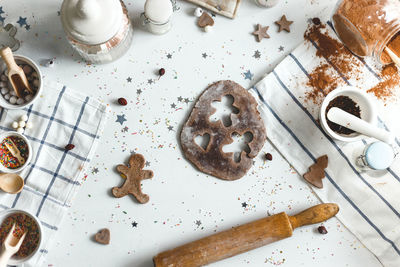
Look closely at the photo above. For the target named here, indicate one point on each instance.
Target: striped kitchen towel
(60, 116)
(369, 204)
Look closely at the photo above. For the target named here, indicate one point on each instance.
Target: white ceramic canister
(100, 30)
(157, 15)
(267, 3)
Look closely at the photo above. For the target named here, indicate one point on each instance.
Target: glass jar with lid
(366, 27)
(99, 30)
(376, 156)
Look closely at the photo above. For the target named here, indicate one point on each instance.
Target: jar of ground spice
(366, 27)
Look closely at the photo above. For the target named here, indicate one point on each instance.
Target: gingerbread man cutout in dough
(134, 175)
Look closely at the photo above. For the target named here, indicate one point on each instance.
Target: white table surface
(184, 204)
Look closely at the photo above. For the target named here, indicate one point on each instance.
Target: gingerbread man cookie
(134, 174)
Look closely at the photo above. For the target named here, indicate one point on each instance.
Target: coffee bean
(122, 101)
(69, 147)
(322, 230)
(268, 156)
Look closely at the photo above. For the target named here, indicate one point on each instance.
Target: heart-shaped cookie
(205, 20)
(103, 236)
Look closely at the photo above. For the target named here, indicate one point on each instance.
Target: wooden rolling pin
(242, 238)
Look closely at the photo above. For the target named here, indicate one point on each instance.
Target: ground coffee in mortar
(344, 103)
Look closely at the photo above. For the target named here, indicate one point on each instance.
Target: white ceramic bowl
(20, 60)
(4, 214)
(367, 107)
(7, 170)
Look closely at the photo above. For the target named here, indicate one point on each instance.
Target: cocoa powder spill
(344, 103)
(390, 81)
(324, 79)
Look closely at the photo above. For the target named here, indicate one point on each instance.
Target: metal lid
(91, 21)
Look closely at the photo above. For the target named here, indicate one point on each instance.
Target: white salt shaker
(157, 15)
(100, 30)
(267, 3)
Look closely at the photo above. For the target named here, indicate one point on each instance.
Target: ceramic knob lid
(158, 10)
(91, 21)
(379, 155)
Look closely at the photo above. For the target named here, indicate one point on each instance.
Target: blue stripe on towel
(327, 175)
(52, 173)
(49, 226)
(42, 141)
(38, 193)
(66, 152)
(64, 123)
(1, 113)
(334, 144)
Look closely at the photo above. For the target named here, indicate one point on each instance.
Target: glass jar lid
(91, 21)
(158, 11)
(379, 155)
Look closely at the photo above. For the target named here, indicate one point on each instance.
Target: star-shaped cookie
(261, 32)
(284, 24)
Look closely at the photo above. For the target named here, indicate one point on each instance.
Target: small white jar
(157, 16)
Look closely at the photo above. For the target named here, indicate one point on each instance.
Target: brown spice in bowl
(344, 103)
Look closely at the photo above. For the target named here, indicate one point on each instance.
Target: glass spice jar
(366, 27)
(157, 15)
(376, 156)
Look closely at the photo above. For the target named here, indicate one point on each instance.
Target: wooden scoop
(393, 56)
(10, 246)
(11, 183)
(16, 75)
(12, 147)
(242, 238)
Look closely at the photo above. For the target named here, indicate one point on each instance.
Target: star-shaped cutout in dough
(284, 24)
(261, 32)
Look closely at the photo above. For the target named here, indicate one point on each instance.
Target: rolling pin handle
(316, 214)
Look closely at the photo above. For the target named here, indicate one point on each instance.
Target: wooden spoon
(16, 75)
(11, 183)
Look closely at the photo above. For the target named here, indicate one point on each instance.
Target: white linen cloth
(369, 205)
(60, 116)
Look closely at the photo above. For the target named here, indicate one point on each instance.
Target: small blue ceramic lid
(379, 155)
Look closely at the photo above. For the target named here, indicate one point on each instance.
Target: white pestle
(356, 124)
